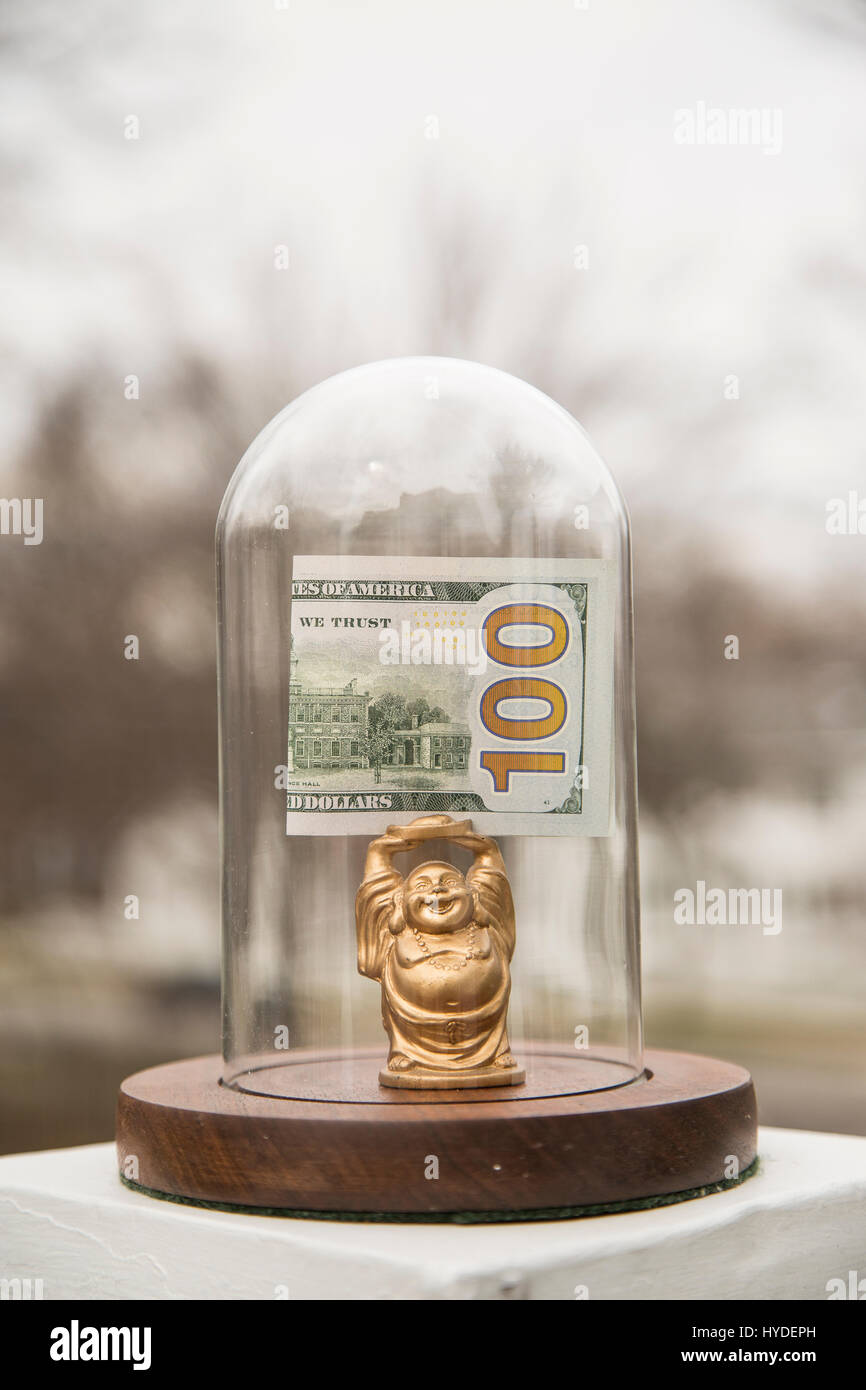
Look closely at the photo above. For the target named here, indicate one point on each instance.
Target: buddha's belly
(443, 991)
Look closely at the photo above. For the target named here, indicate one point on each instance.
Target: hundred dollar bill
(478, 688)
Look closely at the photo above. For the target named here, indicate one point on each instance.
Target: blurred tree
(90, 739)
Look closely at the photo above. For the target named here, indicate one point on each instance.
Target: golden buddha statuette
(440, 944)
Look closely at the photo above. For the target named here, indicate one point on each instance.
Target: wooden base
(689, 1122)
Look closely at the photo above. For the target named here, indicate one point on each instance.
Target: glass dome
(425, 624)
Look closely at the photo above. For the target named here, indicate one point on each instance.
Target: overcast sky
(433, 170)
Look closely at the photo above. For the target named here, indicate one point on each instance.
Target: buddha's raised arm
(485, 850)
(376, 915)
(380, 852)
(488, 880)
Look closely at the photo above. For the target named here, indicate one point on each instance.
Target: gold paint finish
(440, 945)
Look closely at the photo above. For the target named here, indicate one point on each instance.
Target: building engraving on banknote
(449, 686)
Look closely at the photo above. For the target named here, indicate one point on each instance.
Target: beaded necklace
(438, 964)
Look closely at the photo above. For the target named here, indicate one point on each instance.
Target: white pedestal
(800, 1222)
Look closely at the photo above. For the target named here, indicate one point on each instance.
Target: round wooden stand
(687, 1123)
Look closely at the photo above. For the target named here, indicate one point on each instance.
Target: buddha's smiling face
(437, 899)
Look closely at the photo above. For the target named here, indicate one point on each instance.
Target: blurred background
(209, 207)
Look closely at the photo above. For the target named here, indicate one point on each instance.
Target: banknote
(478, 688)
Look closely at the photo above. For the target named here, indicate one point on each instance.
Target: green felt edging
(457, 1218)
